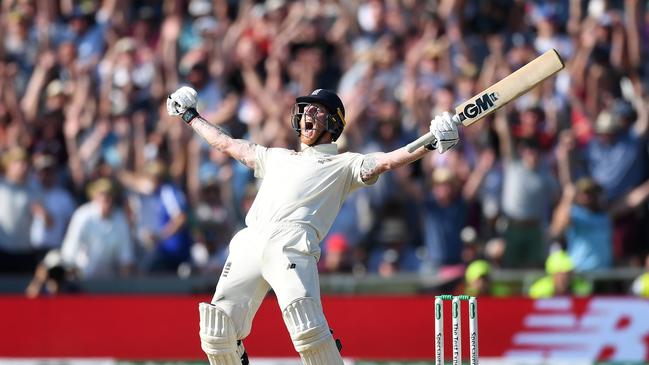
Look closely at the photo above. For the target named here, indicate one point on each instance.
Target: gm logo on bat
(483, 103)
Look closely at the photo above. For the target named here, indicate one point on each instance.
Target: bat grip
(426, 138)
(419, 142)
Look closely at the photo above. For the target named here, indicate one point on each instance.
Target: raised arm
(374, 164)
(239, 149)
(445, 137)
(472, 186)
(563, 154)
(630, 200)
(504, 135)
(561, 216)
(183, 102)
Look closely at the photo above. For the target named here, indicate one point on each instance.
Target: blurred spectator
(97, 243)
(529, 190)
(393, 185)
(587, 215)
(213, 230)
(477, 279)
(588, 228)
(47, 231)
(560, 279)
(19, 204)
(337, 254)
(198, 77)
(86, 27)
(161, 212)
(617, 160)
(617, 155)
(548, 17)
(446, 213)
(52, 277)
(640, 285)
(392, 252)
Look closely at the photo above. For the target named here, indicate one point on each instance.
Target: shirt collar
(327, 149)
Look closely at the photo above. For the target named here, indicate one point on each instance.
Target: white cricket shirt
(306, 187)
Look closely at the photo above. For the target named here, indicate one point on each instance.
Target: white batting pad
(218, 338)
(310, 333)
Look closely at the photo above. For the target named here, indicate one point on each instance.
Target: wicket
(456, 328)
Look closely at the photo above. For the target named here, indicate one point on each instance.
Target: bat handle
(426, 138)
(419, 142)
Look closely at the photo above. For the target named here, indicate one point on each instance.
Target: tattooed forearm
(377, 163)
(244, 152)
(213, 134)
(369, 168)
(241, 150)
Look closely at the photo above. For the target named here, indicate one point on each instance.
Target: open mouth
(308, 125)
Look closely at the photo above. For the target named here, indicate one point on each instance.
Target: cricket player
(299, 197)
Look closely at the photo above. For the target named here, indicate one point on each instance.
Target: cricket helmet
(335, 119)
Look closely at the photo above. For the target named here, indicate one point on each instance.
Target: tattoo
(199, 124)
(247, 155)
(241, 150)
(368, 168)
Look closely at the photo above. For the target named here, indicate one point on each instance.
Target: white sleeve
(263, 158)
(73, 236)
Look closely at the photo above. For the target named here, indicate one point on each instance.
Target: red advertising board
(370, 327)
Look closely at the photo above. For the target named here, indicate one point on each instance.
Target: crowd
(93, 167)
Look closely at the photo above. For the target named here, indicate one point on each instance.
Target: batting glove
(445, 131)
(181, 100)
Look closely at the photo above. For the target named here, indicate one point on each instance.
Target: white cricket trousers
(281, 256)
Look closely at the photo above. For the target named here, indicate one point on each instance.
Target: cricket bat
(501, 93)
